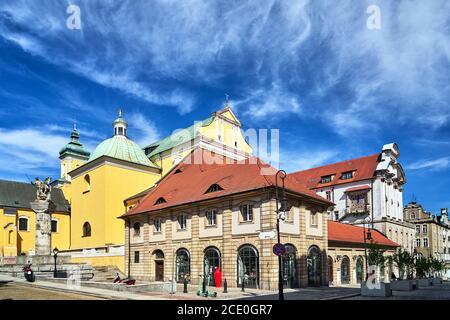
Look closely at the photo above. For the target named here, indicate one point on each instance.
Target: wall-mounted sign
(265, 235)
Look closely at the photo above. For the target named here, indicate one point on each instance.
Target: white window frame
(425, 242)
(180, 219)
(155, 223)
(211, 217)
(418, 242)
(313, 222)
(248, 213)
(28, 223)
(424, 228)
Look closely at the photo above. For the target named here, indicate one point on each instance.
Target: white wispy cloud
(262, 104)
(145, 131)
(294, 161)
(430, 164)
(311, 59)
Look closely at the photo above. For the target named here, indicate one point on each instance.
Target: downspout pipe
(129, 248)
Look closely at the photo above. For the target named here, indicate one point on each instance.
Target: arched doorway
(330, 270)
(183, 265)
(359, 269)
(159, 265)
(289, 267)
(210, 262)
(248, 266)
(314, 263)
(345, 270)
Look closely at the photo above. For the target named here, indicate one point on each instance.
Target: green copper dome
(74, 147)
(120, 147)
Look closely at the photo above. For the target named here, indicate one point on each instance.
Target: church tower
(72, 155)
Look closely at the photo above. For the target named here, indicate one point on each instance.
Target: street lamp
(280, 215)
(367, 237)
(55, 255)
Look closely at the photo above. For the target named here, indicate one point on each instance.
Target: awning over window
(359, 188)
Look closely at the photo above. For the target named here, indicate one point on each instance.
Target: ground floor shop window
(211, 262)
(289, 267)
(314, 263)
(345, 270)
(248, 267)
(359, 270)
(182, 265)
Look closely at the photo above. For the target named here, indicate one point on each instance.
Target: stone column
(43, 210)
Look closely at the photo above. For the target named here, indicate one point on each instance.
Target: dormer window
(347, 175)
(160, 201)
(214, 188)
(326, 179)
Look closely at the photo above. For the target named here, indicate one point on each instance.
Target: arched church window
(86, 229)
(23, 224)
(87, 183)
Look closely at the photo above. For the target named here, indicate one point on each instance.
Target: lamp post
(55, 255)
(367, 236)
(280, 211)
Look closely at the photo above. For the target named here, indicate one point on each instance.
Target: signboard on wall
(266, 235)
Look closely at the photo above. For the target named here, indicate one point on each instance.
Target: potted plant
(436, 266)
(373, 287)
(423, 266)
(404, 261)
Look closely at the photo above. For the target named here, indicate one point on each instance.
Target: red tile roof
(364, 168)
(205, 169)
(342, 232)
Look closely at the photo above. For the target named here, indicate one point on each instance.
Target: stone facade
(347, 264)
(228, 236)
(432, 234)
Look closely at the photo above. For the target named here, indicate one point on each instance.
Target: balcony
(358, 209)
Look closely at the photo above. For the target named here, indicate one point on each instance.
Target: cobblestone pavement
(436, 292)
(14, 291)
(322, 293)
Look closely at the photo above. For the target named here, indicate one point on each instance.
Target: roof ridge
(335, 163)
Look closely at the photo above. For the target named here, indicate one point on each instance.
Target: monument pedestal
(43, 210)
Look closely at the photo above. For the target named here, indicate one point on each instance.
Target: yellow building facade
(18, 220)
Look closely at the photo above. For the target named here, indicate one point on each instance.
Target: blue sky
(312, 69)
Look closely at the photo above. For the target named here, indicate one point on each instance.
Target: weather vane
(227, 100)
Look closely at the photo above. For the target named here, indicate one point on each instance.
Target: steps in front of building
(107, 273)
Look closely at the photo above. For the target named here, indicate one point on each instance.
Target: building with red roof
(367, 191)
(347, 251)
(212, 212)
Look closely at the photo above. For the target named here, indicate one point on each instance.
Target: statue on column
(43, 189)
(43, 207)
